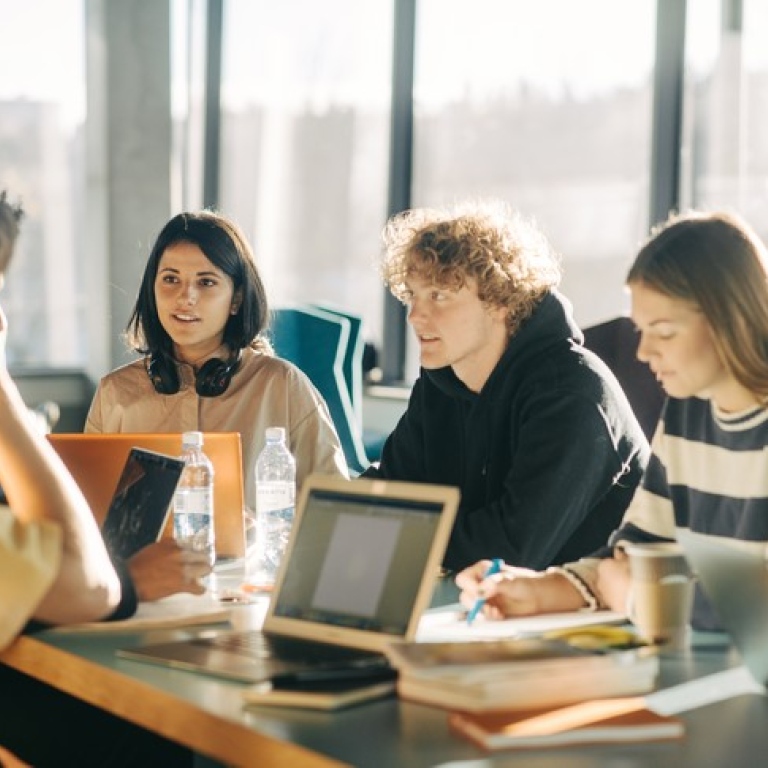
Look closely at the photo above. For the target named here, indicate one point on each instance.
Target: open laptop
(96, 461)
(734, 577)
(359, 571)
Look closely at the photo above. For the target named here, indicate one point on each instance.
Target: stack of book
(517, 674)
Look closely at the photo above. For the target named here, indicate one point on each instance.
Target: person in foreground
(699, 291)
(54, 569)
(509, 406)
(53, 563)
(199, 324)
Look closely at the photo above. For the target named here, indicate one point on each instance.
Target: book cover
(141, 504)
(333, 695)
(589, 722)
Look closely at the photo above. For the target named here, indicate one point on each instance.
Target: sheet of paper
(451, 624)
(175, 611)
(706, 690)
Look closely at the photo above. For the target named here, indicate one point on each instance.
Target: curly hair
(507, 256)
(717, 262)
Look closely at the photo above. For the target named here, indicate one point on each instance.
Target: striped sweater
(708, 472)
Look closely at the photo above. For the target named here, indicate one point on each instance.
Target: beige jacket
(30, 556)
(265, 392)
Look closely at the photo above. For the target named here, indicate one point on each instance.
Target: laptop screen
(362, 560)
(357, 561)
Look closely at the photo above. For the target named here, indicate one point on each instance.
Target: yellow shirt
(30, 556)
(265, 392)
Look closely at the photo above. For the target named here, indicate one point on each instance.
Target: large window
(42, 113)
(304, 144)
(725, 141)
(547, 105)
(188, 60)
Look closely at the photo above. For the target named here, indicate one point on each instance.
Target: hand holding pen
(495, 567)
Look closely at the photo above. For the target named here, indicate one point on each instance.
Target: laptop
(359, 570)
(142, 502)
(96, 460)
(734, 577)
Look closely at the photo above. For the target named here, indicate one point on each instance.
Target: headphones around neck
(211, 380)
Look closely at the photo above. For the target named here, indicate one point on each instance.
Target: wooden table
(206, 714)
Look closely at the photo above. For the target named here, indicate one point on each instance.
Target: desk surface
(207, 714)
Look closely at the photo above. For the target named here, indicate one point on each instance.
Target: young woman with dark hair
(200, 327)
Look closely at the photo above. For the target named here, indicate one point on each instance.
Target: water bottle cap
(192, 438)
(275, 434)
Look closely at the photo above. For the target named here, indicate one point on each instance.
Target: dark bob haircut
(226, 247)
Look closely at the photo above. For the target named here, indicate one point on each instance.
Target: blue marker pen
(495, 567)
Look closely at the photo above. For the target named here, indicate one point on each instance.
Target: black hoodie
(547, 456)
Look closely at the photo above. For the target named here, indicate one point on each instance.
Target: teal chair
(352, 364)
(317, 342)
(373, 440)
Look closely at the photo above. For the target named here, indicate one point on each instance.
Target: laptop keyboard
(257, 645)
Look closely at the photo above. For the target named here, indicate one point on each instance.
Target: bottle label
(197, 501)
(271, 497)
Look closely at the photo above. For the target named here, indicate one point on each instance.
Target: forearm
(38, 488)
(79, 593)
(556, 593)
(519, 591)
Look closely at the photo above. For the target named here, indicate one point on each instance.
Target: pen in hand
(495, 567)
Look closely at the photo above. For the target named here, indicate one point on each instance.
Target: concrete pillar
(129, 159)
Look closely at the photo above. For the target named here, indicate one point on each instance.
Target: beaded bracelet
(579, 584)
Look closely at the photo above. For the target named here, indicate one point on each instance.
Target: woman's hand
(512, 592)
(163, 569)
(517, 591)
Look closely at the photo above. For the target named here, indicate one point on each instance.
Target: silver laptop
(734, 577)
(360, 569)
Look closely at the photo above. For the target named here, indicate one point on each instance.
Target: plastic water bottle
(275, 499)
(193, 502)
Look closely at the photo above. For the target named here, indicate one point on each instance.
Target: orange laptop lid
(96, 461)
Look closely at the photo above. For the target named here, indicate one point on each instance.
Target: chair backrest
(353, 358)
(316, 341)
(615, 342)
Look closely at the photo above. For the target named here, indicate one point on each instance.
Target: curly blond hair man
(508, 406)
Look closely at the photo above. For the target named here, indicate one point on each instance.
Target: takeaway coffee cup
(661, 594)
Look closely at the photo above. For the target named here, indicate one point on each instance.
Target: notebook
(734, 577)
(598, 721)
(96, 461)
(359, 570)
(142, 502)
